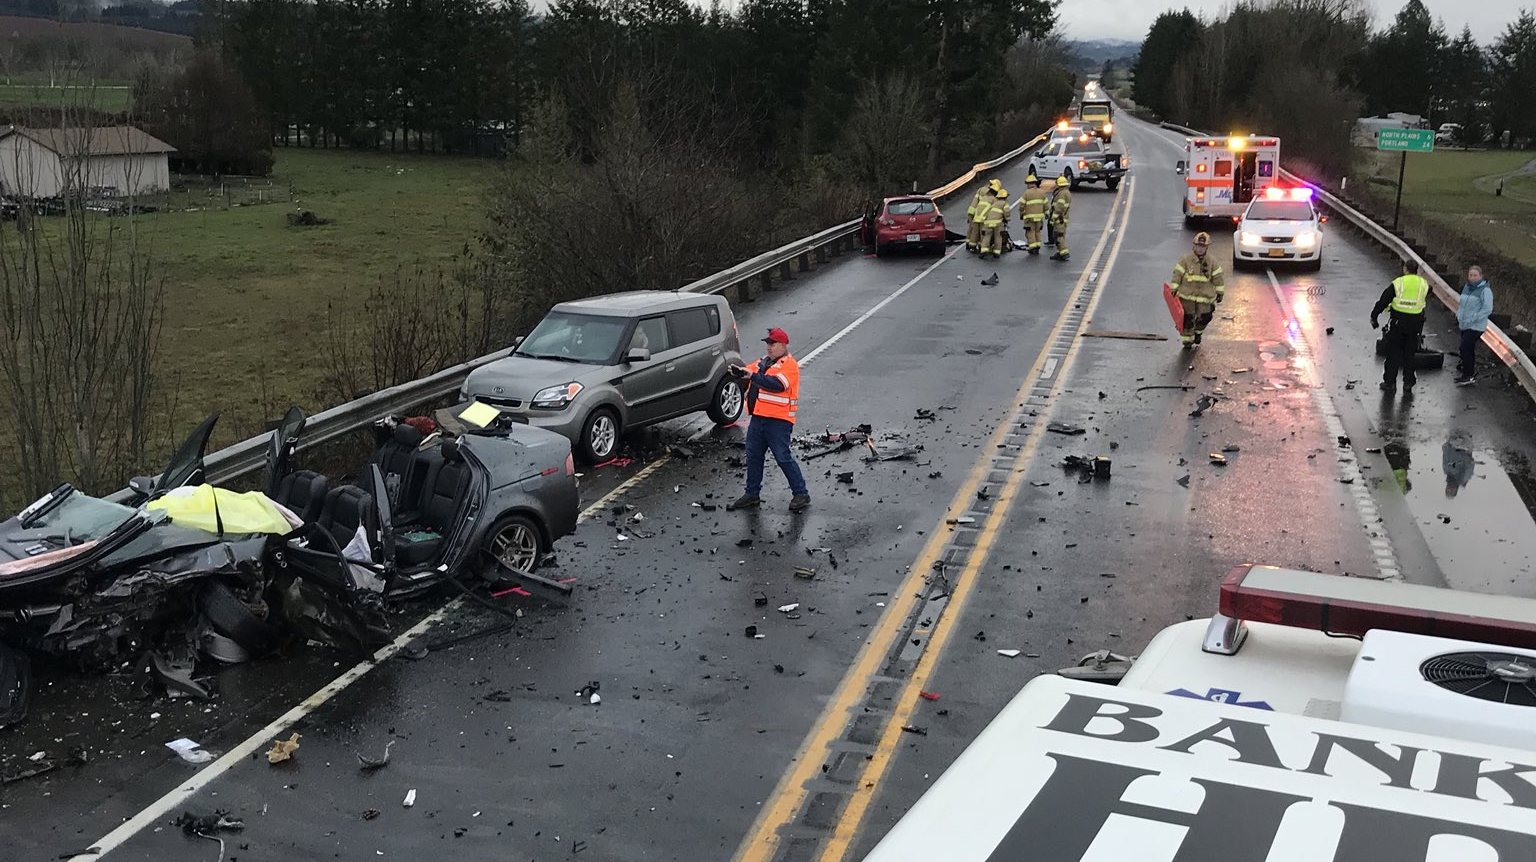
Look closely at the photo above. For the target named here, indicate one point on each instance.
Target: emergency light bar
(1350, 607)
(1276, 193)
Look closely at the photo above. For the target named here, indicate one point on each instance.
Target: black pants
(1469, 340)
(1402, 343)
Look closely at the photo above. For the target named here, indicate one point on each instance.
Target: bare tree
(81, 305)
(886, 137)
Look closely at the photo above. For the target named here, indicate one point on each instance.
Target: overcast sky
(1130, 19)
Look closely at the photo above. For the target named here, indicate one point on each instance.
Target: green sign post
(1404, 141)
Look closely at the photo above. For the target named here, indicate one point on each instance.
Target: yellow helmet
(995, 184)
(1002, 193)
(1062, 180)
(1202, 238)
(1031, 179)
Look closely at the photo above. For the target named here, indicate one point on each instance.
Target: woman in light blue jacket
(1472, 316)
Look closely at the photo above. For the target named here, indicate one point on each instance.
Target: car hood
(1277, 228)
(521, 377)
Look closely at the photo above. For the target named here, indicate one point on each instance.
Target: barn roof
(97, 141)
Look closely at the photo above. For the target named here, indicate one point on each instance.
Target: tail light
(1199, 194)
(938, 219)
(888, 222)
(1081, 164)
(570, 464)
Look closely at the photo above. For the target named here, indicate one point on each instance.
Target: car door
(696, 333)
(646, 385)
(285, 439)
(185, 467)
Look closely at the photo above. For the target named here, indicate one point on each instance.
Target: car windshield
(912, 207)
(1082, 148)
(1280, 211)
(78, 518)
(1095, 111)
(570, 337)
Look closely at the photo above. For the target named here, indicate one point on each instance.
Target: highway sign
(1406, 140)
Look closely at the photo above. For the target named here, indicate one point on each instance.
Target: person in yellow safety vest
(1033, 213)
(1406, 296)
(975, 212)
(1061, 208)
(993, 225)
(1199, 283)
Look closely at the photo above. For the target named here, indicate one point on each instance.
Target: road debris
(1179, 386)
(1066, 428)
(1241, 370)
(845, 478)
(990, 282)
(805, 573)
(589, 693)
(928, 695)
(1184, 480)
(283, 749)
(912, 728)
(1116, 333)
(368, 764)
(962, 520)
(29, 772)
(1218, 459)
(371, 813)
(925, 415)
(189, 751)
(1009, 653)
(1230, 447)
(410, 798)
(789, 608)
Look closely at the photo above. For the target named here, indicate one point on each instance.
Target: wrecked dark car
(184, 570)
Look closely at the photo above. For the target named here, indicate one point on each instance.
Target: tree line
(1306, 69)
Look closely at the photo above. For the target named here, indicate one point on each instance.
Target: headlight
(1109, 127)
(1306, 239)
(556, 397)
(1249, 238)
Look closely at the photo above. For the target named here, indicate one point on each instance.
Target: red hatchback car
(909, 221)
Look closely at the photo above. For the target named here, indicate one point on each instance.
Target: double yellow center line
(789, 797)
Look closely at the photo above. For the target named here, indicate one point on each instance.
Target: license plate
(1277, 252)
(912, 237)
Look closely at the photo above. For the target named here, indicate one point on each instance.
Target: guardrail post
(804, 261)
(749, 291)
(768, 281)
(785, 272)
(821, 254)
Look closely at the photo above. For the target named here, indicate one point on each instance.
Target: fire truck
(1222, 175)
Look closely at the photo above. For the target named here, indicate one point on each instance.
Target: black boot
(745, 501)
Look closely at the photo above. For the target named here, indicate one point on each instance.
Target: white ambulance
(1316, 718)
(1222, 175)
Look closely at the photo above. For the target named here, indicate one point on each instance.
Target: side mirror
(1178, 167)
(518, 341)
(144, 486)
(638, 354)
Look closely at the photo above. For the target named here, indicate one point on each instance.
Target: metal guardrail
(1498, 342)
(249, 456)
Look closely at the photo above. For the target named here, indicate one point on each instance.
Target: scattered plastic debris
(410, 798)
(1218, 459)
(1065, 428)
(912, 728)
(805, 573)
(928, 695)
(1184, 480)
(990, 282)
(1009, 653)
(189, 751)
(283, 749)
(369, 764)
(789, 608)
(371, 814)
(1202, 404)
(963, 519)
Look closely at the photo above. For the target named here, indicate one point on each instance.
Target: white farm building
(112, 161)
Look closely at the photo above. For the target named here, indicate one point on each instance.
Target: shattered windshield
(575, 338)
(77, 519)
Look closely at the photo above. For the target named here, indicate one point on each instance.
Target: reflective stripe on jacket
(1034, 203)
(1061, 205)
(997, 213)
(776, 405)
(1198, 279)
(1409, 293)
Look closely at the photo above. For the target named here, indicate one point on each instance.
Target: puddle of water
(1478, 527)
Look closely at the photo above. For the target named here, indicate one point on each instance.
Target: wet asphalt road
(698, 723)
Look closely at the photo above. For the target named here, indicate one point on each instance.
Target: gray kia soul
(597, 367)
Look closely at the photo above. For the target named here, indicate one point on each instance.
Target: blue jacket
(1475, 306)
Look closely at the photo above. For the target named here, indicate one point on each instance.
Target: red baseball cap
(777, 336)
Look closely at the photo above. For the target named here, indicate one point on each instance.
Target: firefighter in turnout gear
(1199, 283)
(1406, 296)
(975, 213)
(1033, 213)
(1061, 208)
(994, 224)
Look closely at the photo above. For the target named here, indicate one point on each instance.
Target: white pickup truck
(1084, 159)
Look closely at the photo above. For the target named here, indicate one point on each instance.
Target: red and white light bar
(1347, 606)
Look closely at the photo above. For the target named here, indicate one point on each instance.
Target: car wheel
(1239, 265)
(231, 618)
(1113, 184)
(515, 542)
(1071, 180)
(1315, 265)
(726, 405)
(599, 436)
(880, 250)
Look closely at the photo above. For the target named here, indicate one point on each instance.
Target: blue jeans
(764, 434)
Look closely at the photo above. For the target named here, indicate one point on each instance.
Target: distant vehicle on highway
(1096, 112)
(1448, 134)
(1281, 226)
(1084, 159)
(595, 368)
(906, 221)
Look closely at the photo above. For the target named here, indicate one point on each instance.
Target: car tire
(1239, 265)
(725, 409)
(231, 618)
(1315, 265)
(516, 542)
(880, 250)
(1112, 184)
(599, 436)
(1071, 180)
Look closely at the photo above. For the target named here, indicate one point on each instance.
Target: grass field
(1456, 187)
(246, 294)
(105, 97)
